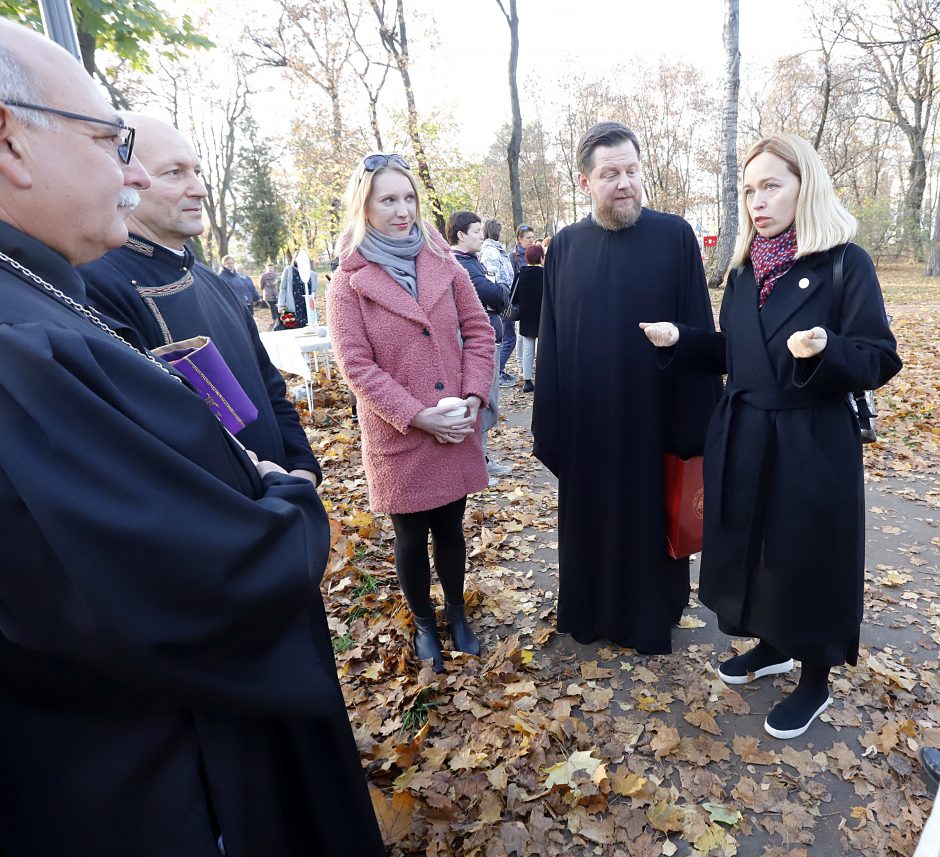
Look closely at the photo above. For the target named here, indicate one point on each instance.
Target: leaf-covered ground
(545, 747)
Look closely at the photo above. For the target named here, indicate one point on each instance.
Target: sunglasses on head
(377, 162)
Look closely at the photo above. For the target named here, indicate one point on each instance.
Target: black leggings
(450, 554)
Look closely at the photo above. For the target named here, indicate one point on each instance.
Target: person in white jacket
(494, 256)
(498, 263)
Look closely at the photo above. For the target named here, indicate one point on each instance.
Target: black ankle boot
(791, 717)
(762, 660)
(427, 643)
(461, 633)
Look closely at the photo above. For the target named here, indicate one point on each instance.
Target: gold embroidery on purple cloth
(215, 390)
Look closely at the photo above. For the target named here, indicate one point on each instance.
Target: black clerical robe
(604, 413)
(155, 296)
(166, 675)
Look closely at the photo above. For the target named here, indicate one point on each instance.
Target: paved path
(901, 622)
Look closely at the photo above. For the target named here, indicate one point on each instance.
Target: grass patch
(343, 643)
(416, 716)
(357, 612)
(367, 585)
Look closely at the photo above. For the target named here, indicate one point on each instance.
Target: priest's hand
(808, 343)
(445, 429)
(661, 333)
(309, 475)
(264, 467)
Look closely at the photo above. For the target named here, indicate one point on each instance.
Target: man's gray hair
(602, 134)
(17, 83)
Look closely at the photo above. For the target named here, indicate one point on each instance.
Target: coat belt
(762, 400)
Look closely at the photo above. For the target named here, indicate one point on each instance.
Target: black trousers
(445, 524)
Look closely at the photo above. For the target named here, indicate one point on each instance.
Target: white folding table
(290, 351)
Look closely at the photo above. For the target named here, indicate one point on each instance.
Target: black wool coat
(166, 670)
(784, 544)
(527, 292)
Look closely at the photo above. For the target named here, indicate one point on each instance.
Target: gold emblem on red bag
(698, 503)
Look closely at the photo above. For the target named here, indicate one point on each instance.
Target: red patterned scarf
(772, 258)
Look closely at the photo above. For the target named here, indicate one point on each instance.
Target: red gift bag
(684, 504)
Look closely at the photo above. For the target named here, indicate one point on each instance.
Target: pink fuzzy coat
(400, 356)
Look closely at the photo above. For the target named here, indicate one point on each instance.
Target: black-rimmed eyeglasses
(125, 147)
(377, 162)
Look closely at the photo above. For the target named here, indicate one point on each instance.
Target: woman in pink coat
(409, 330)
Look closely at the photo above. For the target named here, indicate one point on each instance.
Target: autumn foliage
(544, 747)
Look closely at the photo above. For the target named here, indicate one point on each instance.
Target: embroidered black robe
(155, 296)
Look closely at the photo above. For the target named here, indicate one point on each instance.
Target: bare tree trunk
(87, 43)
(515, 137)
(395, 39)
(216, 130)
(323, 34)
(728, 225)
(829, 31)
(906, 67)
(933, 260)
(914, 197)
(827, 97)
(373, 90)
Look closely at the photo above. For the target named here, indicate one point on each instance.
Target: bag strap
(862, 410)
(513, 289)
(838, 281)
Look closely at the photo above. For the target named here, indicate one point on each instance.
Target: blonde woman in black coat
(783, 555)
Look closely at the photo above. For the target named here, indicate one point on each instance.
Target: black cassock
(154, 296)
(165, 670)
(784, 550)
(604, 413)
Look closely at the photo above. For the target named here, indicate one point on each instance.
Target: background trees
(129, 41)
(264, 225)
(865, 94)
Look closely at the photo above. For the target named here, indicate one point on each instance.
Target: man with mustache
(604, 413)
(167, 685)
(155, 292)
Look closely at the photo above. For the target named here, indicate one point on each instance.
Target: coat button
(804, 283)
(439, 386)
(425, 332)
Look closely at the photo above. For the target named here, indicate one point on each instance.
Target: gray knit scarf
(395, 255)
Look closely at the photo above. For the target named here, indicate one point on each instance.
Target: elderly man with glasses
(166, 680)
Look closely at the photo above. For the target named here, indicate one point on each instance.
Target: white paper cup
(458, 408)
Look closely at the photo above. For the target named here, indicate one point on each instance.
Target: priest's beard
(613, 218)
